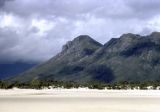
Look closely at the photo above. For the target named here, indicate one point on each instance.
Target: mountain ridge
(131, 57)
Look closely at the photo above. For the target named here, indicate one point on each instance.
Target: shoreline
(81, 92)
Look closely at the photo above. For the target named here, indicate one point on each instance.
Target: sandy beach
(79, 100)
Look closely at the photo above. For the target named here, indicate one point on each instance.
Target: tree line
(40, 84)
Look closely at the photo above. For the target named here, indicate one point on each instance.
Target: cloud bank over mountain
(35, 30)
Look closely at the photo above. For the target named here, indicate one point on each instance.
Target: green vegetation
(40, 84)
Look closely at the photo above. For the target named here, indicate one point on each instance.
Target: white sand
(79, 100)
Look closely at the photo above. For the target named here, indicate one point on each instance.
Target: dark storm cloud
(8, 40)
(49, 7)
(35, 30)
(2, 2)
(144, 8)
(77, 8)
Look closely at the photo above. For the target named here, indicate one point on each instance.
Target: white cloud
(154, 23)
(8, 20)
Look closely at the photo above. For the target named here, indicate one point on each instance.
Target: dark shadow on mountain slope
(70, 69)
(138, 48)
(101, 73)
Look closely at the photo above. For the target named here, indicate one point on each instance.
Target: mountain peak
(155, 34)
(120, 44)
(83, 37)
(129, 35)
(128, 58)
(82, 41)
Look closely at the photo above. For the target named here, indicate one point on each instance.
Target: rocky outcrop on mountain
(129, 58)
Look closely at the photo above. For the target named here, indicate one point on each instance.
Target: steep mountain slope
(130, 57)
(62, 66)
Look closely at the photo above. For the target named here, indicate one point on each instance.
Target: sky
(36, 30)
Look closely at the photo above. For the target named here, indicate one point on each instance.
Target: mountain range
(14, 68)
(130, 57)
